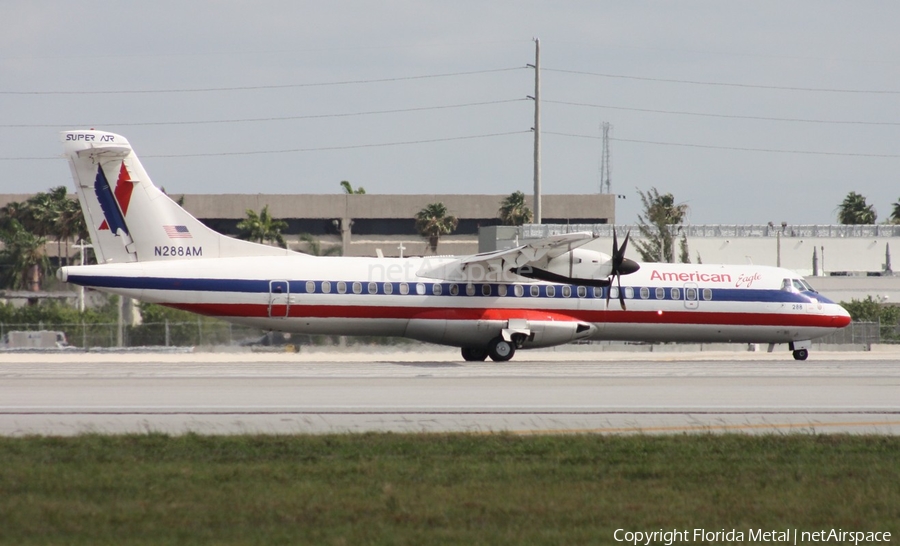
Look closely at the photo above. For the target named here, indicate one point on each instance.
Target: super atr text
(177, 251)
(788, 536)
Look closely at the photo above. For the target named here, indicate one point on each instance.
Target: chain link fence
(206, 333)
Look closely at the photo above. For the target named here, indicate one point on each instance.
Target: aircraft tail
(130, 219)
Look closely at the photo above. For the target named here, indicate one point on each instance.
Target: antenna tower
(604, 159)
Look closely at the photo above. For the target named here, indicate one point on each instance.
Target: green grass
(436, 489)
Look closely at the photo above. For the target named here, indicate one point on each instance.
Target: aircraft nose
(841, 318)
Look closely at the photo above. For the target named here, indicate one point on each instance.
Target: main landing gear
(498, 349)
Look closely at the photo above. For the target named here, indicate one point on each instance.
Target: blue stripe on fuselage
(299, 287)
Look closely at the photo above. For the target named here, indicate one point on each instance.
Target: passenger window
(535, 291)
(388, 288)
(420, 289)
(645, 293)
(551, 291)
(357, 288)
(519, 290)
(310, 287)
(373, 288)
(690, 294)
(707, 294)
(326, 287)
(404, 288)
(660, 293)
(613, 292)
(629, 292)
(582, 291)
(567, 291)
(437, 290)
(676, 294)
(454, 289)
(485, 290)
(470, 289)
(341, 287)
(598, 292)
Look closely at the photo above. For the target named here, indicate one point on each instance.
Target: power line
(733, 148)
(296, 150)
(727, 116)
(728, 84)
(350, 147)
(259, 87)
(251, 120)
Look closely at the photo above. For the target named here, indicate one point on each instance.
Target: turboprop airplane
(543, 293)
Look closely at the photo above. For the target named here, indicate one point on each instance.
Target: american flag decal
(177, 232)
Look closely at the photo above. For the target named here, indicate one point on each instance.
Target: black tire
(501, 350)
(801, 354)
(474, 354)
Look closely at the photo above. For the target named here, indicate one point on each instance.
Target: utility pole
(537, 130)
(604, 159)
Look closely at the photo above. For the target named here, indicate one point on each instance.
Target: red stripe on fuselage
(599, 317)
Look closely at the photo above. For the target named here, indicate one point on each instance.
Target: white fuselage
(386, 297)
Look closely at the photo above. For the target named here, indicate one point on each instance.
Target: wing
(506, 264)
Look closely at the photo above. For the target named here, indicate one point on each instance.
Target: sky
(748, 112)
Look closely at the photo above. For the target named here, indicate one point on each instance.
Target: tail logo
(114, 203)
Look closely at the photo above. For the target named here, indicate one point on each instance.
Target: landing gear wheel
(500, 350)
(801, 354)
(473, 354)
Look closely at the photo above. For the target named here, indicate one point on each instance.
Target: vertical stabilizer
(130, 219)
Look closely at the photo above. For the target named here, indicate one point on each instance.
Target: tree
(314, 247)
(660, 212)
(434, 221)
(854, 210)
(895, 214)
(513, 211)
(348, 189)
(23, 260)
(262, 227)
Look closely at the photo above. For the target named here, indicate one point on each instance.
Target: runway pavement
(541, 392)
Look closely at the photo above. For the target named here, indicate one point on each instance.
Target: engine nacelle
(580, 264)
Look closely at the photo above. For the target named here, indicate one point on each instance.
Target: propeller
(620, 266)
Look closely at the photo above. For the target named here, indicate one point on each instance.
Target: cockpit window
(796, 285)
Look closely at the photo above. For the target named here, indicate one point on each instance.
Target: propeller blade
(621, 294)
(624, 245)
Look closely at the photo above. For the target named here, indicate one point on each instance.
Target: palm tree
(348, 189)
(22, 257)
(434, 221)
(314, 246)
(855, 210)
(262, 227)
(513, 211)
(895, 214)
(660, 212)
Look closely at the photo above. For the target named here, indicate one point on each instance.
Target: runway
(605, 393)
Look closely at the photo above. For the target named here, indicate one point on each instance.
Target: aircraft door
(691, 295)
(279, 299)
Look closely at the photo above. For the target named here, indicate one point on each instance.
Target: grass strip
(436, 489)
